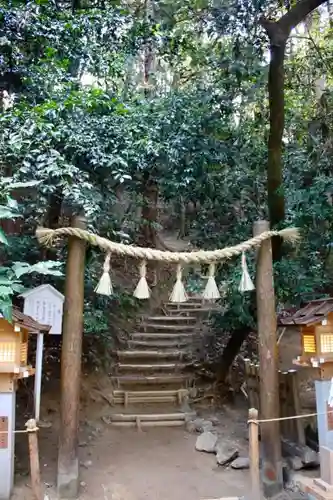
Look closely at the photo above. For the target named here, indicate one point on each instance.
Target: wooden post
(297, 408)
(68, 463)
(269, 382)
(36, 485)
(38, 374)
(254, 454)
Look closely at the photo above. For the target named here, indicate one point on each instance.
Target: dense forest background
(196, 116)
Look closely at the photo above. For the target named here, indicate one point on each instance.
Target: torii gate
(68, 464)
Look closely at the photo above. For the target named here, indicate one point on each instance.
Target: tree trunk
(330, 11)
(55, 206)
(276, 198)
(182, 219)
(230, 352)
(149, 213)
(278, 33)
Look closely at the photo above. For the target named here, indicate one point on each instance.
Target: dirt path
(124, 464)
(159, 464)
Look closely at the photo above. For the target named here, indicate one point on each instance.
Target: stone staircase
(153, 373)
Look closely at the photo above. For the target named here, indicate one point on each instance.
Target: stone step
(161, 336)
(135, 354)
(151, 367)
(164, 379)
(170, 319)
(157, 344)
(175, 396)
(170, 328)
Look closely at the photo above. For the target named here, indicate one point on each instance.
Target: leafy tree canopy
(108, 97)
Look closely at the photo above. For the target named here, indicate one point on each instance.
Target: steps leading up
(151, 367)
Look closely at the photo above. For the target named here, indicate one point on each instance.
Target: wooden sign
(3, 433)
(329, 410)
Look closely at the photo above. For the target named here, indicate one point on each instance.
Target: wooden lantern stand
(317, 354)
(14, 338)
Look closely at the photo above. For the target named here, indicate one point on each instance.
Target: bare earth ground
(124, 464)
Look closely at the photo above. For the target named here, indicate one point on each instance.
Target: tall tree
(278, 33)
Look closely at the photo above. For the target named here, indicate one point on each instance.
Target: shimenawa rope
(211, 257)
(49, 236)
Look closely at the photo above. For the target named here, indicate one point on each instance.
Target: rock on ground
(199, 425)
(295, 463)
(241, 463)
(310, 458)
(206, 442)
(225, 452)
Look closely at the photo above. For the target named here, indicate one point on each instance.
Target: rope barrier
(19, 431)
(30, 427)
(49, 236)
(293, 417)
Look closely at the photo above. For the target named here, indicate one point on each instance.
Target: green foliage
(114, 93)
(10, 282)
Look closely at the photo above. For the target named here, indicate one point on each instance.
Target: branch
(298, 13)
(310, 38)
(279, 31)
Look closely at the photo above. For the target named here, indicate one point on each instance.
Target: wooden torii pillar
(268, 371)
(68, 462)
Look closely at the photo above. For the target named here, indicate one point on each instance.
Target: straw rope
(292, 417)
(31, 426)
(49, 236)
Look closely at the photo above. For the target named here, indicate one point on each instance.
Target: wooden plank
(150, 344)
(189, 310)
(162, 335)
(177, 328)
(152, 379)
(145, 417)
(158, 423)
(173, 392)
(152, 396)
(171, 319)
(149, 367)
(148, 354)
(145, 399)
